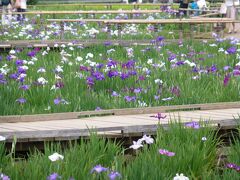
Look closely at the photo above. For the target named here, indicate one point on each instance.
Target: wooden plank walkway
(118, 123)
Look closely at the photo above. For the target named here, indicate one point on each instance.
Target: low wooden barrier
(118, 112)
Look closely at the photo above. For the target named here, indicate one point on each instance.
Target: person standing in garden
(184, 5)
(21, 6)
(232, 13)
(6, 11)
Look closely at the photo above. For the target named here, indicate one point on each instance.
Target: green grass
(195, 158)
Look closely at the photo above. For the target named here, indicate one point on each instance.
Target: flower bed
(107, 77)
(190, 150)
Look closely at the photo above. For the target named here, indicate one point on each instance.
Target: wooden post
(155, 27)
(130, 16)
(191, 31)
(62, 30)
(180, 31)
(109, 29)
(135, 6)
(119, 26)
(205, 27)
(199, 29)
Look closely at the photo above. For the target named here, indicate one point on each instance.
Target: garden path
(113, 125)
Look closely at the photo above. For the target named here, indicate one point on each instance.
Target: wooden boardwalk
(114, 123)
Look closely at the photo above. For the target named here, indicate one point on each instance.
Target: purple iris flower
(166, 152)
(98, 169)
(132, 73)
(57, 101)
(226, 79)
(111, 63)
(31, 53)
(4, 177)
(3, 81)
(225, 68)
(107, 43)
(156, 97)
(90, 81)
(179, 63)
(53, 176)
(195, 69)
(172, 57)
(231, 165)
(98, 76)
(115, 94)
(213, 68)
(37, 49)
(9, 58)
(24, 87)
(151, 28)
(21, 70)
(1, 58)
(113, 175)
(99, 66)
(19, 62)
(175, 90)
(137, 90)
(84, 68)
(112, 73)
(236, 72)
(232, 50)
(124, 76)
(59, 84)
(130, 64)
(13, 76)
(141, 78)
(98, 109)
(159, 38)
(21, 100)
(130, 98)
(1, 76)
(237, 168)
(193, 124)
(159, 116)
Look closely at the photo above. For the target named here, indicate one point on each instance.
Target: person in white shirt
(232, 13)
(201, 4)
(21, 8)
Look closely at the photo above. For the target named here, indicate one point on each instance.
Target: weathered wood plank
(127, 111)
